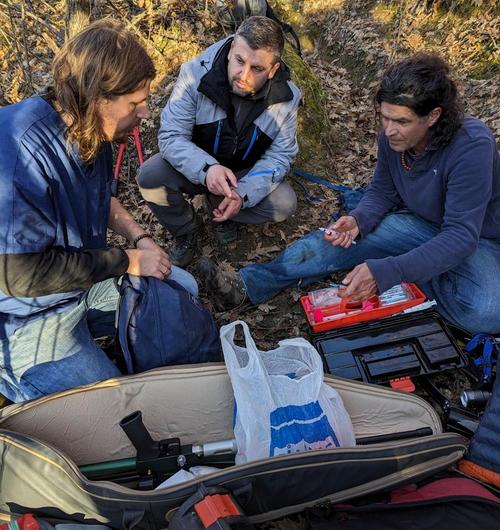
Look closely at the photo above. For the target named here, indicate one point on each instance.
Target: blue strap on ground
(309, 197)
(485, 361)
(349, 197)
(319, 180)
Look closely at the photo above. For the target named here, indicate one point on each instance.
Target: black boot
(226, 232)
(182, 251)
(225, 289)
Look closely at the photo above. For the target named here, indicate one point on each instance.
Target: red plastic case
(346, 312)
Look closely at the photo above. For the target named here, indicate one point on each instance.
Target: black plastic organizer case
(378, 351)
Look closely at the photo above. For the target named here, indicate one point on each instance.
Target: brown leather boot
(226, 289)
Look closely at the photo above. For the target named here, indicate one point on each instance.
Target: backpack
(160, 323)
(231, 13)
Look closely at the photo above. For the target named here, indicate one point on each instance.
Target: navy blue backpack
(160, 323)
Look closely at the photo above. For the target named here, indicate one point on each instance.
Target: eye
(239, 60)
(258, 69)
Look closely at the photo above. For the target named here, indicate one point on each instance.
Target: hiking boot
(225, 289)
(226, 232)
(182, 251)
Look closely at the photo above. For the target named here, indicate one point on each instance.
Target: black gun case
(43, 443)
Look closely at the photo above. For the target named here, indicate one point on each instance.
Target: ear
(101, 106)
(434, 115)
(273, 71)
(101, 103)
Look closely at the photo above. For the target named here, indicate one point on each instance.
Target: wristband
(139, 237)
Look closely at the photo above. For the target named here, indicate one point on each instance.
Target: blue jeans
(59, 352)
(468, 295)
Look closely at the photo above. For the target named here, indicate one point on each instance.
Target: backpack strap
(287, 28)
(349, 197)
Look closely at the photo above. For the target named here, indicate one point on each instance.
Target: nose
(143, 112)
(245, 71)
(390, 129)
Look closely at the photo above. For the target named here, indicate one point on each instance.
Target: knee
(475, 311)
(476, 322)
(284, 204)
(154, 173)
(482, 317)
(185, 279)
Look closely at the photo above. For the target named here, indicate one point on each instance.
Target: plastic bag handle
(228, 331)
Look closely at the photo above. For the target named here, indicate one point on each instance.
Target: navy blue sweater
(455, 187)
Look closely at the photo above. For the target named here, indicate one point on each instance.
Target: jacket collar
(215, 85)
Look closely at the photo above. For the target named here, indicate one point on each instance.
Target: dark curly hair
(422, 83)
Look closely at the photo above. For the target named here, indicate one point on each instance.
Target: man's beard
(237, 90)
(122, 136)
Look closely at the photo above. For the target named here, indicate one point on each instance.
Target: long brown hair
(105, 60)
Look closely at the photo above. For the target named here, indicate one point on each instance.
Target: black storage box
(382, 350)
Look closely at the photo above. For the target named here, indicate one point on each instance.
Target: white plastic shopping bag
(281, 402)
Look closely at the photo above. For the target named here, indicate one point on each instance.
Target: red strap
(121, 152)
(215, 507)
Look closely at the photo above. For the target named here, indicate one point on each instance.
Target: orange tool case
(325, 310)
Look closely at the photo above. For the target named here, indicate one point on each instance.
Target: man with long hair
(431, 214)
(57, 275)
(228, 131)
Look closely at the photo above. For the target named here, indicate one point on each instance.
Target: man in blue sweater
(431, 214)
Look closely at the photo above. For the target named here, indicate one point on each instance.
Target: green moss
(314, 125)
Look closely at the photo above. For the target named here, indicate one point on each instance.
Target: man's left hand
(361, 284)
(228, 208)
(147, 243)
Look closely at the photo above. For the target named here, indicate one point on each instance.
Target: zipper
(252, 141)
(217, 137)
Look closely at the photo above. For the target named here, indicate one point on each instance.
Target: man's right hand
(344, 231)
(151, 261)
(220, 180)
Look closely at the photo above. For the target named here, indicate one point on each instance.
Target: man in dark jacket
(431, 214)
(228, 130)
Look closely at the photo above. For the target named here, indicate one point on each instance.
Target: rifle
(158, 460)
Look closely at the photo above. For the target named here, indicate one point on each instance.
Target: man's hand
(228, 208)
(148, 260)
(344, 231)
(361, 284)
(220, 180)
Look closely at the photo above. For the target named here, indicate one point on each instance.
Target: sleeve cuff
(361, 221)
(385, 271)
